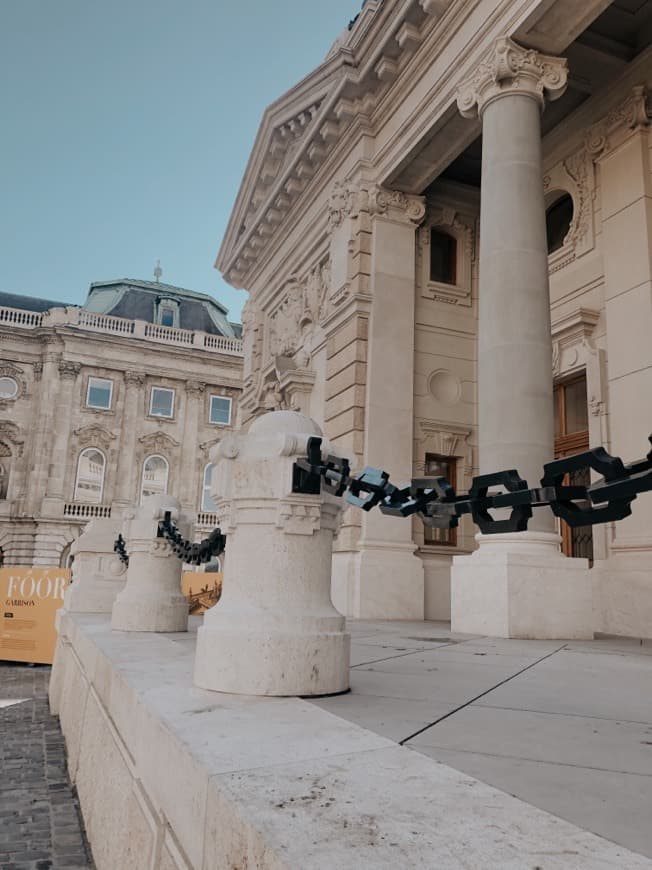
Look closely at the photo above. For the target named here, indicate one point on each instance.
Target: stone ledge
(175, 777)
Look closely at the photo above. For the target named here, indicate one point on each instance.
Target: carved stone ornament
(296, 518)
(69, 370)
(135, 379)
(92, 435)
(508, 68)
(157, 442)
(10, 434)
(9, 370)
(633, 114)
(195, 388)
(349, 199)
(574, 175)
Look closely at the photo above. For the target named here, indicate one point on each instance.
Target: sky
(126, 126)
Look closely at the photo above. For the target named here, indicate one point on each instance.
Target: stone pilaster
(128, 479)
(379, 576)
(40, 443)
(189, 482)
(500, 590)
(54, 494)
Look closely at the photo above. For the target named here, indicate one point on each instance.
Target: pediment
(158, 442)
(300, 129)
(94, 434)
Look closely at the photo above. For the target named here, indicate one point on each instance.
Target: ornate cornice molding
(633, 114)
(69, 370)
(508, 69)
(349, 199)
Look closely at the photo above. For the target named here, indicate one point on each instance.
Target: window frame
(84, 450)
(205, 491)
(14, 395)
(142, 475)
(428, 530)
(88, 393)
(210, 409)
(453, 252)
(169, 416)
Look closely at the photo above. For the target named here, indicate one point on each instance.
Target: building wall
(46, 427)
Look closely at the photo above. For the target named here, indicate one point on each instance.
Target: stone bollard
(98, 575)
(152, 599)
(275, 630)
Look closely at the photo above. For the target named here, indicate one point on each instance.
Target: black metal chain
(435, 501)
(187, 551)
(120, 547)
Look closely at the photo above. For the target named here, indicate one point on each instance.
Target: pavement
(40, 822)
(564, 726)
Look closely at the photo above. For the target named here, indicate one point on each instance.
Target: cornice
(366, 70)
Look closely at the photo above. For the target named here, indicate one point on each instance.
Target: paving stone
(40, 821)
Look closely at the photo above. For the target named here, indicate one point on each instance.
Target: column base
(241, 658)
(622, 590)
(379, 582)
(521, 585)
(146, 614)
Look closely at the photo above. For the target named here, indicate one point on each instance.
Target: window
(4, 481)
(443, 257)
(89, 485)
(99, 393)
(220, 410)
(207, 503)
(440, 466)
(162, 402)
(572, 436)
(558, 221)
(8, 388)
(155, 477)
(167, 317)
(167, 311)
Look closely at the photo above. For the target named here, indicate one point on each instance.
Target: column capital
(351, 199)
(134, 379)
(507, 69)
(195, 388)
(69, 370)
(396, 205)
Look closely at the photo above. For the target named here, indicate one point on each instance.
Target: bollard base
(145, 615)
(281, 664)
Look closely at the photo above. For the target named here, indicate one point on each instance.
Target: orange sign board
(29, 598)
(202, 589)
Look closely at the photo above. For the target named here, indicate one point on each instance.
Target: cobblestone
(40, 821)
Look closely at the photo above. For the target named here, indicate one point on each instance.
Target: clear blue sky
(126, 127)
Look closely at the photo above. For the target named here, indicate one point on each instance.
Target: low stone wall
(171, 777)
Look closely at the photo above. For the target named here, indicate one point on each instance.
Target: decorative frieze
(633, 114)
(68, 370)
(508, 68)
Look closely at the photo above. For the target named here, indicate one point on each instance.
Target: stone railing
(18, 317)
(206, 519)
(79, 511)
(105, 323)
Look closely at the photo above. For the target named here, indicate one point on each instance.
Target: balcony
(89, 321)
(79, 511)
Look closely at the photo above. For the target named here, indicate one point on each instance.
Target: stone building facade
(105, 403)
(445, 232)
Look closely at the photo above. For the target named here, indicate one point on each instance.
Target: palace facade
(445, 232)
(103, 404)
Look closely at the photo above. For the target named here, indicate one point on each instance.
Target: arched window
(155, 476)
(89, 484)
(207, 503)
(559, 217)
(4, 480)
(443, 257)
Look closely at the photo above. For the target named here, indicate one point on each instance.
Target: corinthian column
(516, 585)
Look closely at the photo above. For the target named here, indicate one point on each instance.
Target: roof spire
(158, 271)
